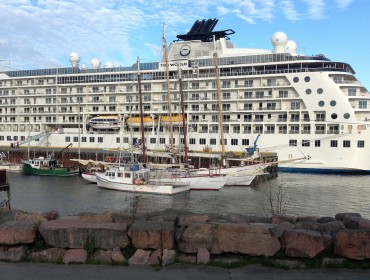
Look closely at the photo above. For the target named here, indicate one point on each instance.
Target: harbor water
(303, 194)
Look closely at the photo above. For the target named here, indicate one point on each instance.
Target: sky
(43, 33)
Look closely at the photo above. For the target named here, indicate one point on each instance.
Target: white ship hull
(301, 106)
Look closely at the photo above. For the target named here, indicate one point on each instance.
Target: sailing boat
(236, 176)
(210, 181)
(135, 177)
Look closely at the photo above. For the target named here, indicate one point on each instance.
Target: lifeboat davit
(176, 120)
(136, 121)
(105, 122)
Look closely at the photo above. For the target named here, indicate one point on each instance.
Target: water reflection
(305, 194)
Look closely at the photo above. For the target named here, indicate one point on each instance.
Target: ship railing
(332, 131)
(319, 132)
(293, 132)
(305, 131)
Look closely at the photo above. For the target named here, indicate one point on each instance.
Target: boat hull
(64, 172)
(162, 189)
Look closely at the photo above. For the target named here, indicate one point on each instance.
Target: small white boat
(105, 122)
(134, 178)
(90, 174)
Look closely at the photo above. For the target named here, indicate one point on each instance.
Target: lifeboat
(136, 121)
(176, 120)
(105, 122)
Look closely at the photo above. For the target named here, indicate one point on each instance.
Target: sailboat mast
(217, 69)
(141, 112)
(184, 127)
(168, 87)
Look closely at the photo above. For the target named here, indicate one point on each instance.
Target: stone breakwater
(166, 237)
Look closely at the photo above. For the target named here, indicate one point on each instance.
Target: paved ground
(39, 271)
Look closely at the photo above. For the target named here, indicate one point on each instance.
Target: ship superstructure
(300, 105)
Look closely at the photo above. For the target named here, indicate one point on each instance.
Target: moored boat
(134, 178)
(47, 167)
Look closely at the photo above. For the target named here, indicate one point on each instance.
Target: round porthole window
(334, 116)
(307, 79)
(321, 103)
(308, 91)
(319, 91)
(346, 116)
(333, 103)
(296, 79)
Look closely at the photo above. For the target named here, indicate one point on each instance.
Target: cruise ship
(296, 105)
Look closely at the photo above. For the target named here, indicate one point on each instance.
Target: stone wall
(160, 238)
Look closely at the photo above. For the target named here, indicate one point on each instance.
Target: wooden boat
(47, 167)
(105, 122)
(135, 178)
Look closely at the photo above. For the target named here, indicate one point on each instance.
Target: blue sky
(42, 33)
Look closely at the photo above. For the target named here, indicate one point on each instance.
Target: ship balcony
(332, 131)
(294, 120)
(283, 131)
(305, 131)
(282, 119)
(293, 131)
(319, 131)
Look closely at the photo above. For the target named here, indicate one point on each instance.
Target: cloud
(289, 10)
(45, 32)
(315, 9)
(342, 4)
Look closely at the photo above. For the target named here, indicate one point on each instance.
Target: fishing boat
(105, 122)
(48, 166)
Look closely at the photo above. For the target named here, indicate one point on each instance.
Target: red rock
(353, 244)
(251, 239)
(168, 257)
(303, 243)
(198, 235)
(203, 256)
(70, 233)
(280, 218)
(102, 256)
(75, 256)
(140, 257)
(48, 255)
(17, 232)
(155, 257)
(117, 255)
(13, 254)
(152, 235)
(96, 217)
(25, 216)
(190, 219)
(51, 215)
